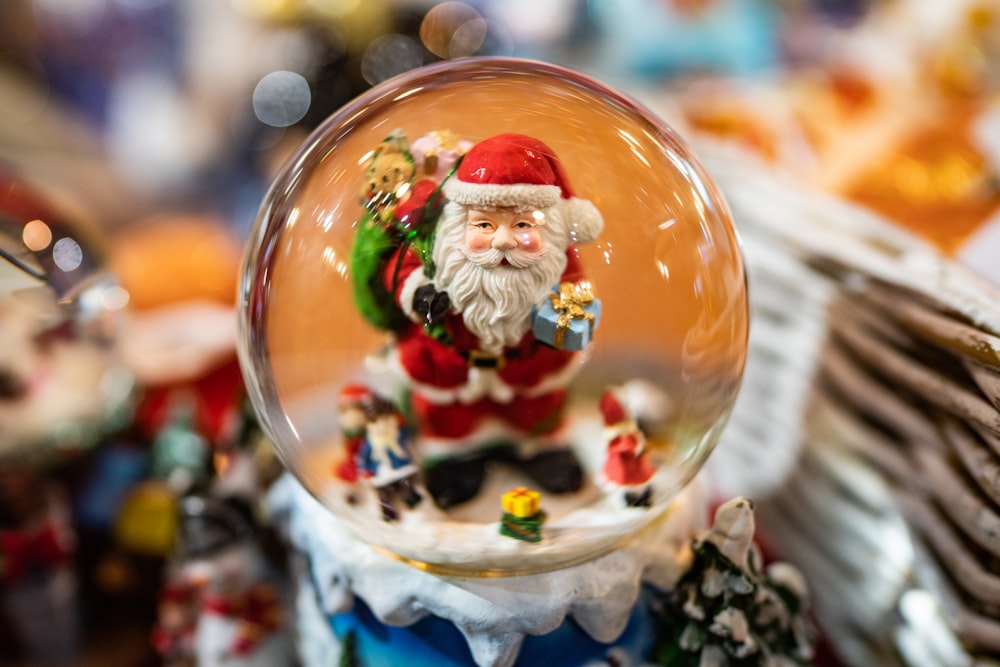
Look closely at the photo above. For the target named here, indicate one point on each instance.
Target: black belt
(480, 359)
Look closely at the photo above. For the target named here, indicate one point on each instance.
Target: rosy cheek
(476, 240)
(529, 240)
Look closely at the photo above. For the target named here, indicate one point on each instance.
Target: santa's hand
(431, 305)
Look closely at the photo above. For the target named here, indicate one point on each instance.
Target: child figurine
(352, 406)
(385, 460)
(627, 465)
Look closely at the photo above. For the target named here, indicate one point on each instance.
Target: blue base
(435, 642)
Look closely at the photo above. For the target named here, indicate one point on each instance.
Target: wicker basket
(868, 426)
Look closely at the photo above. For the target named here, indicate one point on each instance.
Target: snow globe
(493, 315)
(360, 309)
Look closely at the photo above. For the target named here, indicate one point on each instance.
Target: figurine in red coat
(352, 403)
(477, 373)
(627, 465)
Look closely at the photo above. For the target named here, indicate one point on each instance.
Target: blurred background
(154, 128)
(144, 107)
(131, 109)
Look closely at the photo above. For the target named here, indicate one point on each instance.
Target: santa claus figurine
(627, 465)
(478, 375)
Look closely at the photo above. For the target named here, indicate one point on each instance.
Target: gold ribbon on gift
(521, 502)
(570, 303)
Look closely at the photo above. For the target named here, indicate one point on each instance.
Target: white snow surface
(493, 613)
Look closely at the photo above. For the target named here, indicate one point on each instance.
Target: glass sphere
(61, 383)
(582, 405)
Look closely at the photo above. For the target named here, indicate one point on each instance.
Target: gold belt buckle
(480, 359)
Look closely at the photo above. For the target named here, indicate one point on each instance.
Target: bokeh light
(333, 8)
(262, 7)
(140, 4)
(453, 30)
(530, 21)
(114, 297)
(36, 235)
(67, 254)
(81, 16)
(390, 55)
(281, 98)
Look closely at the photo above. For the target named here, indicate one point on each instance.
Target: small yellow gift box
(522, 502)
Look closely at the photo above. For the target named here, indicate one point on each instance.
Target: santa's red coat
(531, 369)
(625, 464)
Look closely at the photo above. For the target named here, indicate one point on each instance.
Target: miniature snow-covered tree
(725, 612)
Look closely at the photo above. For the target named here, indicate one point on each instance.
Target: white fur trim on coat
(521, 195)
(413, 282)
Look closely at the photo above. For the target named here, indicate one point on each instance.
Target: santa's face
(496, 265)
(505, 231)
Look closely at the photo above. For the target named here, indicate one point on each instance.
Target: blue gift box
(567, 319)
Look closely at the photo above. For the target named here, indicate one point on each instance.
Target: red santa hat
(515, 170)
(613, 408)
(354, 395)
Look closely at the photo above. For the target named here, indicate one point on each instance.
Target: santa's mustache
(519, 259)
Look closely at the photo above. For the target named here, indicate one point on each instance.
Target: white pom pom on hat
(583, 220)
(515, 170)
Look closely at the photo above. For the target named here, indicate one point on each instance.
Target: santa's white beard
(495, 300)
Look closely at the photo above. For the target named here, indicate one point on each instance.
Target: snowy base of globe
(578, 526)
(387, 612)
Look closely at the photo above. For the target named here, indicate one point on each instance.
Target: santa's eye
(484, 225)
(523, 224)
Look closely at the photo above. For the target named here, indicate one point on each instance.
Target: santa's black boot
(554, 470)
(642, 498)
(456, 481)
(408, 492)
(389, 511)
